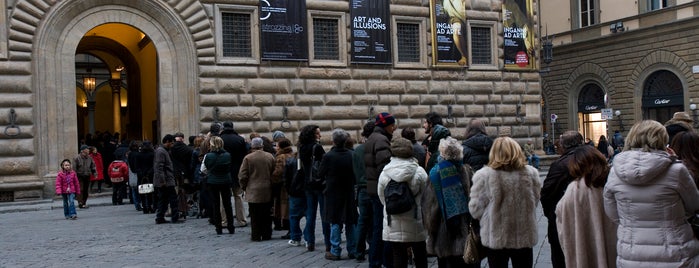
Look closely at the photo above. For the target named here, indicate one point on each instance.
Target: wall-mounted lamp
(123, 106)
(617, 27)
(693, 107)
(618, 118)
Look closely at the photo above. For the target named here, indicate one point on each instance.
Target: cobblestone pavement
(35, 234)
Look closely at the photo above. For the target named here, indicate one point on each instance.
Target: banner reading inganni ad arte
(283, 34)
(518, 34)
(449, 42)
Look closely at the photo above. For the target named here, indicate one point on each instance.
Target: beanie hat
(277, 135)
(256, 143)
(385, 119)
(83, 147)
(402, 147)
(227, 125)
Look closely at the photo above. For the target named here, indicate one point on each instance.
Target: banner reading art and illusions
(283, 34)
(449, 42)
(371, 34)
(517, 20)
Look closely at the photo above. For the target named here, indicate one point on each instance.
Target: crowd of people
(622, 203)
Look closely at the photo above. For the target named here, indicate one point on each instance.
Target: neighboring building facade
(147, 68)
(637, 58)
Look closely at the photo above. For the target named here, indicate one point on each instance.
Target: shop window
(482, 45)
(328, 42)
(237, 35)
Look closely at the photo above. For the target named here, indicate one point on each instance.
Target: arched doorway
(663, 95)
(591, 101)
(116, 56)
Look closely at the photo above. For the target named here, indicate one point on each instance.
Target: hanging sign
(371, 33)
(283, 34)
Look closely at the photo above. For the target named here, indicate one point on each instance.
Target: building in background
(636, 58)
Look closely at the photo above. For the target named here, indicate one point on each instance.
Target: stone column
(116, 103)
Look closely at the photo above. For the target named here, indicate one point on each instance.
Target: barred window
(481, 52)
(325, 39)
(408, 35)
(235, 35)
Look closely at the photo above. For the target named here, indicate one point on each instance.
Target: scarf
(446, 181)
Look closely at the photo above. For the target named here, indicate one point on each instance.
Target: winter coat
(218, 166)
(377, 153)
(586, 234)
(144, 166)
(419, 153)
(256, 176)
(555, 184)
(120, 152)
(235, 145)
(358, 166)
(85, 166)
(476, 150)
(340, 204)
(181, 155)
(505, 203)
(651, 196)
(443, 241)
(438, 132)
(404, 227)
(67, 183)
(99, 165)
(162, 169)
(280, 164)
(307, 154)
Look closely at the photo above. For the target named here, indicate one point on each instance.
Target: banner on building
(518, 33)
(371, 33)
(449, 41)
(283, 34)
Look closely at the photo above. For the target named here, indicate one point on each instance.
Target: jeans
(363, 229)
(336, 239)
(379, 252)
(521, 257)
(68, 205)
(313, 199)
(167, 195)
(535, 159)
(135, 197)
(297, 209)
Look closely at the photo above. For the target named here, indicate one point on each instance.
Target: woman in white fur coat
(586, 234)
(504, 197)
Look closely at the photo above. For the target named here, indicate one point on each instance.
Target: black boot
(231, 229)
(219, 231)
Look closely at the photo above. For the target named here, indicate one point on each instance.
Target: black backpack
(398, 198)
(293, 177)
(315, 180)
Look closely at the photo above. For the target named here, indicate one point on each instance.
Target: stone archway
(54, 82)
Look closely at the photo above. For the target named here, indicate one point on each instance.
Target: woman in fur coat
(444, 206)
(586, 234)
(504, 197)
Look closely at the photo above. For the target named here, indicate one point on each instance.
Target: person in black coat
(235, 145)
(340, 205)
(477, 145)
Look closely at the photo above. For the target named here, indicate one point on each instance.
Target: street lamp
(618, 117)
(693, 107)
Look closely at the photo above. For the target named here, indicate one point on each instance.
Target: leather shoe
(330, 256)
(161, 221)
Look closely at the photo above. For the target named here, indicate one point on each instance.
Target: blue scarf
(446, 181)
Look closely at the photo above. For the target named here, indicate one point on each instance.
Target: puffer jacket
(377, 153)
(218, 165)
(650, 196)
(404, 227)
(476, 150)
(67, 183)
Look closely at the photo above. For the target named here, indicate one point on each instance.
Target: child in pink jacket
(67, 185)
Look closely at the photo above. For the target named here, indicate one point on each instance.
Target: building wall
(193, 85)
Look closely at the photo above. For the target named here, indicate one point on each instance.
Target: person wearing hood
(649, 194)
(445, 206)
(404, 230)
(436, 131)
(477, 145)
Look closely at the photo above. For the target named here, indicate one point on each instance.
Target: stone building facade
(194, 86)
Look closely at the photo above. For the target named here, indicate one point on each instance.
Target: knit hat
(277, 135)
(83, 147)
(402, 147)
(385, 119)
(256, 143)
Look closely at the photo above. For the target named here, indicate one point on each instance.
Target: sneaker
(294, 243)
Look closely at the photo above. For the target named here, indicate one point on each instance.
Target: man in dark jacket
(554, 187)
(477, 145)
(84, 166)
(235, 145)
(436, 131)
(377, 153)
(363, 230)
(164, 181)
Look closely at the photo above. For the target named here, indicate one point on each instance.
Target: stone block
(405, 74)
(417, 87)
(277, 72)
(241, 113)
(261, 100)
(353, 87)
(232, 86)
(474, 110)
(518, 87)
(16, 165)
(465, 99)
(16, 147)
(207, 85)
(310, 100)
(371, 74)
(268, 86)
(440, 87)
(479, 88)
(338, 100)
(484, 75)
(481, 99)
(407, 99)
(429, 99)
(386, 86)
(314, 86)
(245, 100)
(219, 99)
(419, 111)
(297, 86)
(502, 88)
(337, 112)
(389, 99)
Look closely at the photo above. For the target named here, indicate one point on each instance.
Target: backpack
(294, 177)
(118, 171)
(315, 180)
(398, 199)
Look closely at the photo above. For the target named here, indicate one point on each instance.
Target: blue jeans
(136, 197)
(535, 159)
(297, 208)
(313, 199)
(68, 205)
(364, 223)
(336, 239)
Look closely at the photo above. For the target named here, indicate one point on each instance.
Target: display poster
(283, 34)
(518, 34)
(449, 42)
(371, 33)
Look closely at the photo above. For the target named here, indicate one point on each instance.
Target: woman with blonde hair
(650, 194)
(504, 197)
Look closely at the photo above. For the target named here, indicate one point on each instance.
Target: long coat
(505, 203)
(404, 227)
(586, 234)
(650, 196)
(340, 204)
(256, 176)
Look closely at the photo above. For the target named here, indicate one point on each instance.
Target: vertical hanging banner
(518, 31)
(283, 34)
(449, 42)
(371, 33)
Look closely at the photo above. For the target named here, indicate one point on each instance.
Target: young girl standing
(67, 185)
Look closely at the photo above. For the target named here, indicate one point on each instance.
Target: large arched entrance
(663, 95)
